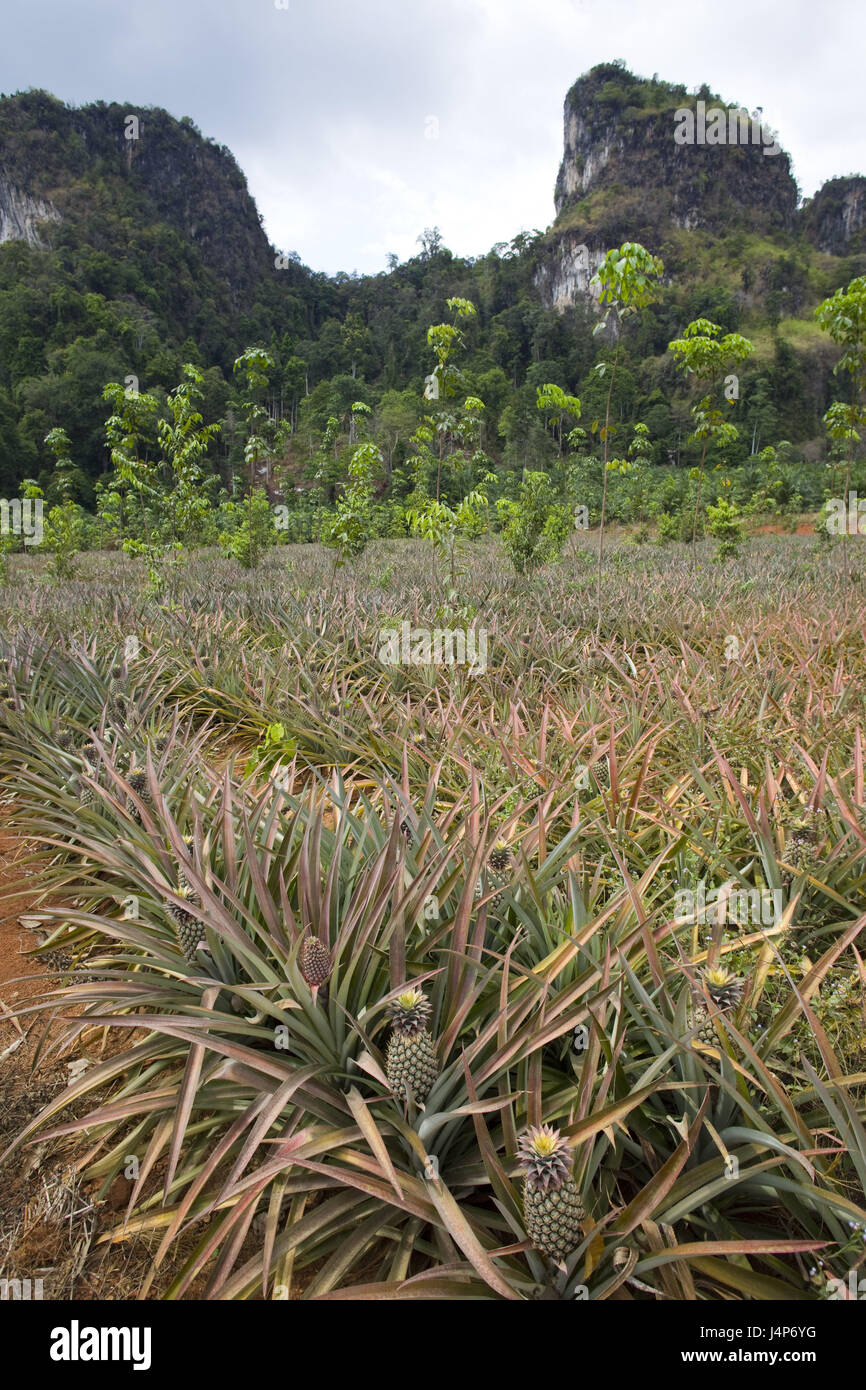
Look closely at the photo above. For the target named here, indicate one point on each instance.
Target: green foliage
(63, 533)
(443, 526)
(349, 531)
(535, 526)
(252, 529)
(843, 316)
(701, 353)
(725, 527)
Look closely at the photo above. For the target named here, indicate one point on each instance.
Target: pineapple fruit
(725, 989)
(315, 961)
(552, 1208)
(412, 1065)
(601, 772)
(86, 794)
(499, 858)
(498, 864)
(139, 784)
(187, 928)
(801, 846)
(116, 706)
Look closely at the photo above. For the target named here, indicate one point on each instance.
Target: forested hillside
(127, 257)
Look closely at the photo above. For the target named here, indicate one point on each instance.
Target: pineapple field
(535, 976)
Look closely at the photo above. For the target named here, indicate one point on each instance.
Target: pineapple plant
(187, 928)
(552, 1208)
(316, 962)
(412, 1065)
(407, 830)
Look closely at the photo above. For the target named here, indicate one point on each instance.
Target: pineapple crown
(410, 1011)
(718, 977)
(117, 673)
(544, 1157)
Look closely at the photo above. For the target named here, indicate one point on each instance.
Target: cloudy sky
(359, 123)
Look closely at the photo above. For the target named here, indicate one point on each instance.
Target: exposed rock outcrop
(20, 215)
(835, 219)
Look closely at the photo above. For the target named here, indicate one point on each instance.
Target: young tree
(443, 526)
(349, 530)
(556, 406)
(703, 354)
(460, 428)
(536, 525)
(126, 432)
(843, 316)
(628, 278)
(264, 435)
(64, 527)
(183, 439)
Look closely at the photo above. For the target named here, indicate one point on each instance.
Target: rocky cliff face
(154, 168)
(565, 276)
(20, 215)
(835, 219)
(634, 168)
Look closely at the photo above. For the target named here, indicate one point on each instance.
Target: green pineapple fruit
(601, 772)
(698, 1018)
(86, 794)
(407, 830)
(801, 846)
(117, 698)
(315, 961)
(187, 928)
(412, 1065)
(552, 1208)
